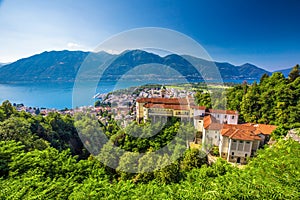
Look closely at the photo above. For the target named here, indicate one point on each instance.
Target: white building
(225, 116)
(236, 142)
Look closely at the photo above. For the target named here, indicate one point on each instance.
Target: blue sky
(265, 33)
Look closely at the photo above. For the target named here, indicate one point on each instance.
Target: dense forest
(45, 157)
(274, 100)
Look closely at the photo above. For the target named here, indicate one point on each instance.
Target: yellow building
(159, 109)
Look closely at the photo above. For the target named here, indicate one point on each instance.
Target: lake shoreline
(59, 95)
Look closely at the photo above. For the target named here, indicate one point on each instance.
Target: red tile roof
(207, 121)
(230, 112)
(246, 131)
(246, 127)
(239, 134)
(258, 128)
(265, 129)
(215, 126)
(238, 131)
(210, 123)
(199, 107)
(178, 104)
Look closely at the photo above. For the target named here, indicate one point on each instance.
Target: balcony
(160, 113)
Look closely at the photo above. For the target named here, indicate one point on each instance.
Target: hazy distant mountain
(128, 60)
(53, 66)
(285, 72)
(62, 66)
(249, 70)
(229, 71)
(2, 64)
(47, 66)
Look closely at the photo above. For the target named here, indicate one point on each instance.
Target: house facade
(159, 109)
(225, 116)
(236, 142)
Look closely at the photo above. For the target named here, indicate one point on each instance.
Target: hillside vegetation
(274, 100)
(44, 158)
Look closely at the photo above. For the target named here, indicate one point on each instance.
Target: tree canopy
(44, 157)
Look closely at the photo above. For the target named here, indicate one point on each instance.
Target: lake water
(54, 95)
(59, 95)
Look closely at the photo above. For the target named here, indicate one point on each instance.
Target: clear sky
(265, 33)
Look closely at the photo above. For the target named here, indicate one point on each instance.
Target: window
(232, 157)
(218, 116)
(232, 117)
(225, 116)
(241, 141)
(215, 136)
(246, 155)
(248, 142)
(232, 153)
(234, 140)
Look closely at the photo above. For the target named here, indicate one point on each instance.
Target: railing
(158, 112)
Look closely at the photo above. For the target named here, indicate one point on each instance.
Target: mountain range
(285, 72)
(2, 64)
(62, 66)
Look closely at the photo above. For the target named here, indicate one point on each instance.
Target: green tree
(8, 109)
(8, 149)
(250, 104)
(168, 171)
(49, 162)
(294, 73)
(263, 78)
(18, 129)
(203, 99)
(193, 158)
(128, 165)
(147, 166)
(97, 103)
(2, 115)
(235, 96)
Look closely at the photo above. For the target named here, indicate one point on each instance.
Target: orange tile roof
(265, 129)
(198, 107)
(231, 112)
(239, 134)
(244, 135)
(206, 121)
(209, 122)
(215, 126)
(256, 128)
(246, 131)
(246, 127)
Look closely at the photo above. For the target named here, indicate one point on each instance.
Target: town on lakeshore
(149, 100)
(216, 129)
